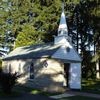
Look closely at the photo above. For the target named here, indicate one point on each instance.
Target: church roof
(44, 50)
(1, 54)
(63, 23)
(33, 51)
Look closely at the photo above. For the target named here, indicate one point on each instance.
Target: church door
(66, 73)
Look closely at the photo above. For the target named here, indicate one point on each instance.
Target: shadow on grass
(25, 89)
(78, 98)
(11, 95)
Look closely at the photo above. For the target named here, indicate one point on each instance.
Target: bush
(0, 65)
(7, 81)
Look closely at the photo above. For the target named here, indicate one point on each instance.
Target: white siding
(75, 76)
(46, 69)
(50, 70)
(62, 53)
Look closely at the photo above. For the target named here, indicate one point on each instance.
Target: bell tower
(62, 29)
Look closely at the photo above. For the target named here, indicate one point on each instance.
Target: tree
(83, 26)
(42, 20)
(6, 36)
(40, 15)
(7, 81)
(95, 17)
(28, 36)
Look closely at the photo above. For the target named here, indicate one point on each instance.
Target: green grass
(13, 94)
(23, 88)
(92, 86)
(79, 98)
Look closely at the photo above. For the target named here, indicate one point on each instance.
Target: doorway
(66, 73)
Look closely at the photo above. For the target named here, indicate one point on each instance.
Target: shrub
(0, 65)
(7, 81)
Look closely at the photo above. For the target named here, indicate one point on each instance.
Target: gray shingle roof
(33, 51)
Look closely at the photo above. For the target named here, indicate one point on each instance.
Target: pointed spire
(63, 6)
(63, 25)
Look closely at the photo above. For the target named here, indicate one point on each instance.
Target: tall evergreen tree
(82, 29)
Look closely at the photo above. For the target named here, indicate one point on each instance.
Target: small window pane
(32, 71)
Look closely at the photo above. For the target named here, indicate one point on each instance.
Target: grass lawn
(32, 91)
(79, 98)
(13, 94)
(92, 86)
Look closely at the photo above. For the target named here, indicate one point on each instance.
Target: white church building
(50, 67)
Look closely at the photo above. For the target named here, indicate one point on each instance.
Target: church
(51, 67)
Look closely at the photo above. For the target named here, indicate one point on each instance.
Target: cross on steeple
(63, 6)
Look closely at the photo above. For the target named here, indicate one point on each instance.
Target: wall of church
(18, 66)
(48, 73)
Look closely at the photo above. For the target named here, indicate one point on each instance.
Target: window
(45, 64)
(68, 49)
(32, 71)
(62, 32)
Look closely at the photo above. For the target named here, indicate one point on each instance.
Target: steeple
(62, 30)
(62, 37)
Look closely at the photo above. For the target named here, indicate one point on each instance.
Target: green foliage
(88, 68)
(7, 81)
(43, 16)
(86, 29)
(91, 85)
(96, 57)
(28, 36)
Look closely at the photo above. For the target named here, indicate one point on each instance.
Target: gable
(67, 52)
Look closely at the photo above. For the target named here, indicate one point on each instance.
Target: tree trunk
(97, 70)
(98, 60)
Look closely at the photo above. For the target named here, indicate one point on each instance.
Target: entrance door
(75, 76)
(66, 71)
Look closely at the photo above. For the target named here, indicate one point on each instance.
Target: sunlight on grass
(35, 92)
(92, 86)
(93, 83)
(88, 82)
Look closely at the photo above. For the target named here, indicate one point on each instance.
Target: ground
(91, 85)
(79, 98)
(25, 93)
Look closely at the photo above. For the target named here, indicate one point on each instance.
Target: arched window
(32, 71)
